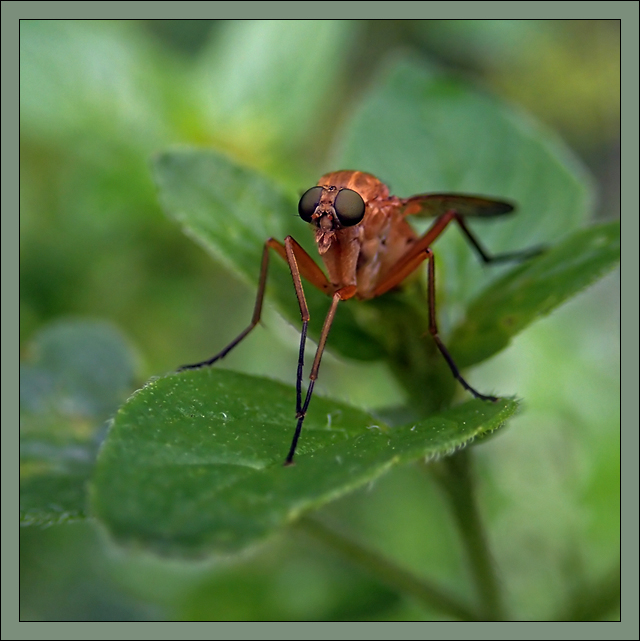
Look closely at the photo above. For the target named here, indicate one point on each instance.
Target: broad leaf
(421, 130)
(534, 289)
(418, 131)
(193, 462)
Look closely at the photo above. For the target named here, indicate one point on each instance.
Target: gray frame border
(626, 11)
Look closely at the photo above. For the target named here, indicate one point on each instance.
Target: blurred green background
(99, 99)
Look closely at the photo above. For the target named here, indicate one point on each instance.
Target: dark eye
(349, 206)
(309, 202)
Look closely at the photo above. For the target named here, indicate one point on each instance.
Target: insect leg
(257, 310)
(297, 258)
(495, 258)
(301, 263)
(414, 257)
(433, 330)
(290, 250)
(308, 269)
(407, 265)
(459, 207)
(301, 410)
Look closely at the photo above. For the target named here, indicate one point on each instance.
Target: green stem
(455, 476)
(387, 572)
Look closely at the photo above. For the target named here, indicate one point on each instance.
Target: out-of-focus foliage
(99, 99)
(74, 378)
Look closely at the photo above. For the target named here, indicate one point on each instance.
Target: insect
(367, 248)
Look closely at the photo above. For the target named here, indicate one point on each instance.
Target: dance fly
(368, 248)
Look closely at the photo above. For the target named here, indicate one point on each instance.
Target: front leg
(307, 268)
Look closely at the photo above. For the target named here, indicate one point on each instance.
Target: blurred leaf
(77, 368)
(421, 130)
(66, 574)
(534, 289)
(264, 82)
(81, 371)
(484, 43)
(193, 462)
(53, 478)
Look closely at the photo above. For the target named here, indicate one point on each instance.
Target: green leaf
(194, 461)
(421, 130)
(534, 289)
(78, 374)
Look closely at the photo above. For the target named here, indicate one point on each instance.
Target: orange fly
(367, 248)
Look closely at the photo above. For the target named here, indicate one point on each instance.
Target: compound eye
(349, 207)
(309, 202)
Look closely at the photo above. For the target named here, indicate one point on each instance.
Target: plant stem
(455, 475)
(387, 572)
